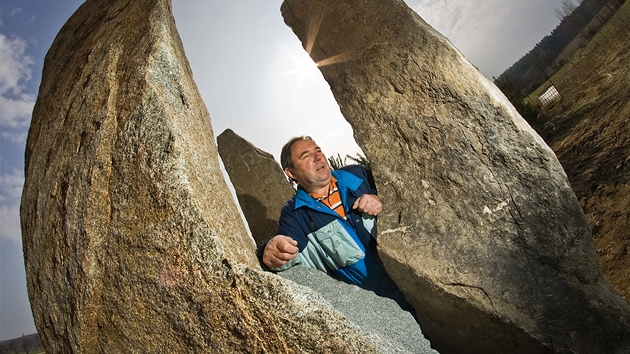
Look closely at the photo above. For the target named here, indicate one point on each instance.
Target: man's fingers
(273, 262)
(356, 203)
(287, 249)
(369, 204)
(279, 251)
(373, 210)
(284, 256)
(287, 245)
(277, 260)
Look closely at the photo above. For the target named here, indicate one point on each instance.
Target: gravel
(380, 319)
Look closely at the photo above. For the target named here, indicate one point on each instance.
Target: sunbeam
(301, 66)
(313, 30)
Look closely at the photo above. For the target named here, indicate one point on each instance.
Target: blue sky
(252, 73)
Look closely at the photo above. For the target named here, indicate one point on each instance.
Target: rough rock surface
(261, 186)
(392, 329)
(132, 241)
(480, 228)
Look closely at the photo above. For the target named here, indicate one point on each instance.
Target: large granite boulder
(260, 185)
(132, 241)
(480, 227)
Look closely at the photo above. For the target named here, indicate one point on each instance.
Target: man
(330, 223)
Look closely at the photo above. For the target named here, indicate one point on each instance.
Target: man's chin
(325, 177)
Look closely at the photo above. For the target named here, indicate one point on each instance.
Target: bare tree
(336, 162)
(360, 160)
(575, 17)
(566, 8)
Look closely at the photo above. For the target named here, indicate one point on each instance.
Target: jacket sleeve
(261, 249)
(288, 225)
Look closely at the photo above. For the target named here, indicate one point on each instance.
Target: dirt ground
(590, 133)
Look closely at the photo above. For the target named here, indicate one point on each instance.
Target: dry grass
(589, 130)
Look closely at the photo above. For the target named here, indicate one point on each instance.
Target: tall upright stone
(480, 228)
(132, 241)
(260, 185)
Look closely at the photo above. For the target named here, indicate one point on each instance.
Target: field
(29, 344)
(589, 130)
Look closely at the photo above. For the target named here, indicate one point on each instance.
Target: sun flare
(300, 66)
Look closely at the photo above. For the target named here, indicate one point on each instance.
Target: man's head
(303, 162)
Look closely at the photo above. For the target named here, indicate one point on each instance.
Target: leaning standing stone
(132, 241)
(480, 227)
(260, 185)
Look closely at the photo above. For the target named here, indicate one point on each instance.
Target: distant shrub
(529, 112)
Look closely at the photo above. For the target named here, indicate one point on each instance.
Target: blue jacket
(325, 240)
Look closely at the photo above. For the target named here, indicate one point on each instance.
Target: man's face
(311, 170)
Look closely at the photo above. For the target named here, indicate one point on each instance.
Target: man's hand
(279, 250)
(369, 204)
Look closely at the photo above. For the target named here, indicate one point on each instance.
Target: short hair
(285, 155)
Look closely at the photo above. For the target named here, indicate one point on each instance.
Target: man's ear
(289, 173)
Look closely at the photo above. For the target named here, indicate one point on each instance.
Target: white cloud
(492, 34)
(16, 10)
(16, 112)
(474, 27)
(17, 136)
(16, 105)
(10, 192)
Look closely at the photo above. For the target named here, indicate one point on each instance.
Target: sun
(300, 66)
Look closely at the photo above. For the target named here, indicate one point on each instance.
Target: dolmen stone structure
(133, 243)
(260, 185)
(480, 227)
